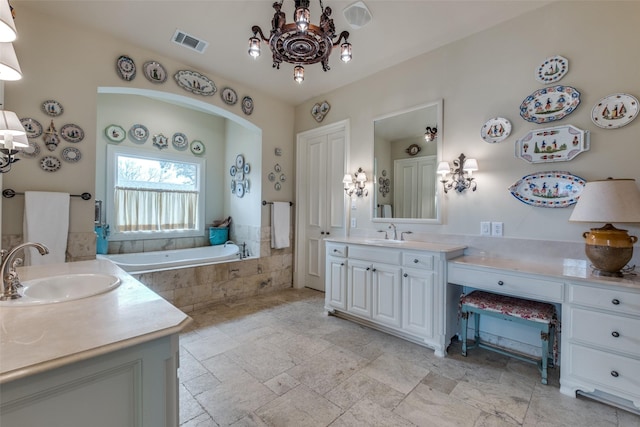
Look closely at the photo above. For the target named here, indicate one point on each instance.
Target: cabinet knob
(405, 275)
(415, 261)
(615, 334)
(335, 250)
(500, 283)
(374, 270)
(322, 232)
(342, 264)
(368, 268)
(615, 301)
(328, 233)
(615, 374)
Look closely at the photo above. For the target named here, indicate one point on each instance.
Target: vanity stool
(536, 314)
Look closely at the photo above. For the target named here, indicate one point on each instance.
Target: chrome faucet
(403, 233)
(395, 231)
(10, 279)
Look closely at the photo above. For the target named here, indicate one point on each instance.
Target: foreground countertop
(405, 244)
(38, 338)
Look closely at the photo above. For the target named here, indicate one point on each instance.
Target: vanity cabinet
(396, 289)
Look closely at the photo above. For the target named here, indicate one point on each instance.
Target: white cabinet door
(418, 302)
(386, 294)
(359, 288)
(336, 284)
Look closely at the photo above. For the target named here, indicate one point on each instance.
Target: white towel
(280, 224)
(386, 211)
(46, 221)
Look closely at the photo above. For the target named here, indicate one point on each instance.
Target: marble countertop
(38, 338)
(393, 244)
(566, 268)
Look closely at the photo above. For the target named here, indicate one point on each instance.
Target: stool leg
(544, 335)
(463, 334)
(552, 337)
(476, 318)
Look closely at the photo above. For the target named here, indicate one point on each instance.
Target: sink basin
(67, 287)
(385, 241)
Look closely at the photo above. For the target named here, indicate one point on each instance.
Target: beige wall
(68, 64)
(489, 75)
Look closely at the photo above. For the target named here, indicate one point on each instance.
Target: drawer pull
(615, 374)
(335, 250)
(405, 275)
(328, 233)
(374, 270)
(500, 283)
(615, 334)
(368, 268)
(342, 264)
(322, 232)
(615, 301)
(415, 261)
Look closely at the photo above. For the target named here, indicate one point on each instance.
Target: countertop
(565, 269)
(405, 244)
(38, 338)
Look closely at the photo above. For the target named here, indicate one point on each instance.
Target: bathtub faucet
(229, 241)
(10, 279)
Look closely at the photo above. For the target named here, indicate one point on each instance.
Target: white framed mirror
(406, 184)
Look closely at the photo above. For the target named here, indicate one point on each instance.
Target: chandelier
(300, 42)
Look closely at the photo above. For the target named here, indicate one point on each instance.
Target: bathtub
(147, 262)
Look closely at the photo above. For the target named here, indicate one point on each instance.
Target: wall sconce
(355, 184)
(461, 178)
(431, 134)
(12, 136)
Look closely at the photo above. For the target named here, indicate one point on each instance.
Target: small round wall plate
(247, 105)
(180, 141)
(233, 170)
(239, 161)
(239, 189)
(115, 133)
(50, 163)
(552, 69)
(229, 96)
(71, 154)
(160, 141)
(247, 168)
(277, 186)
(277, 168)
(126, 68)
(52, 108)
(154, 72)
(32, 127)
(31, 151)
(139, 133)
(614, 111)
(271, 176)
(283, 178)
(197, 147)
(496, 130)
(72, 133)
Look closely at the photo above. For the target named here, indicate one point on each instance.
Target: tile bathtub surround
(277, 360)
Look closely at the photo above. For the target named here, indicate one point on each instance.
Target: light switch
(496, 228)
(485, 228)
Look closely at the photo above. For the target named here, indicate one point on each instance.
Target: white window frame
(112, 152)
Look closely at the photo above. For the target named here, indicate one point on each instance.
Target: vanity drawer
(619, 333)
(337, 249)
(506, 283)
(420, 260)
(368, 253)
(612, 298)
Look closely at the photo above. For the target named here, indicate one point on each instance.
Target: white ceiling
(398, 31)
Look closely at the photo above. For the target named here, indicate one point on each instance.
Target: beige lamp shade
(19, 141)
(470, 165)
(608, 201)
(7, 26)
(443, 168)
(9, 66)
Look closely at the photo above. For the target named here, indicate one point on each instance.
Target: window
(154, 194)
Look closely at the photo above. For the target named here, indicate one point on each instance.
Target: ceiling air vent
(357, 15)
(188, 41)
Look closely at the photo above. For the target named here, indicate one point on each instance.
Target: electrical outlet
(485, 228)
(354, 223)
(353, 204)
(496, 228)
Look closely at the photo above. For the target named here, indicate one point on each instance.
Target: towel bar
(265, 203)
(9, 193)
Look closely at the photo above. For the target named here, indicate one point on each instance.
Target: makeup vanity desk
(600, 338)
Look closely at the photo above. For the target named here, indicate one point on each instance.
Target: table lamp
(611, 200)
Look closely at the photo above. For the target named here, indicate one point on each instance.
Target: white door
(321, 164)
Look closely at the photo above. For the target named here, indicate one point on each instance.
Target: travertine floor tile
(366, 413)
(396, 373)
(300, 406)
(360, 386)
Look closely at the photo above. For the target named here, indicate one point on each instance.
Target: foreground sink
(67, 287)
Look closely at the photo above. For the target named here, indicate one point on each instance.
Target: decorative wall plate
(615, 111)
(72, 133)
(32, 127)
(319, 110)
(277, 167)
(496, 130)
(115, 133)
(413, 149)
(154, 72)
(552, 69)
(271, 176)
(229, 96)
(247, 168)
(197, 147)
(195, 82)
(247, 105)
(180, 141)
(277, 186)
(31, 151)
(51, 139)
(52, 108)
(551, 189)
(126, 68)
(549, 104)
(556, 144)
(239, 175)
(139, 133)
(239, 189)
(233, 170)
(50, 163)
(239, 161)
(160, 141)
(71, 154)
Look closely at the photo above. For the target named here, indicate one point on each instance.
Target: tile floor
(278, 360)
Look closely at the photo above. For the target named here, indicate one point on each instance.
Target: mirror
(406, 183)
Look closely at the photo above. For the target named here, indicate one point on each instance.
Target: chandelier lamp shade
(8, 31)
(300, 42)
(12, 136)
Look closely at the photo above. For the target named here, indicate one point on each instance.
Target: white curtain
(141, 209)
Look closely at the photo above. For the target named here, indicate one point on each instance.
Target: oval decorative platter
(496, 129)
(247, 105)
(614, 111)
(195, 82)
(552, 69)
(229, 96)
(549, 104)
(154, 72)
(556, 144)
(552, 189)
(180, 141)
(126, 68)
(72, 133)
(52, 108)
(32, 127)
(139, 133)
(115, 133)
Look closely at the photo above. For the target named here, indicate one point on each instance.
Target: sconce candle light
(12, 136)
(431, 134)
(355, 184)
(461, 178)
